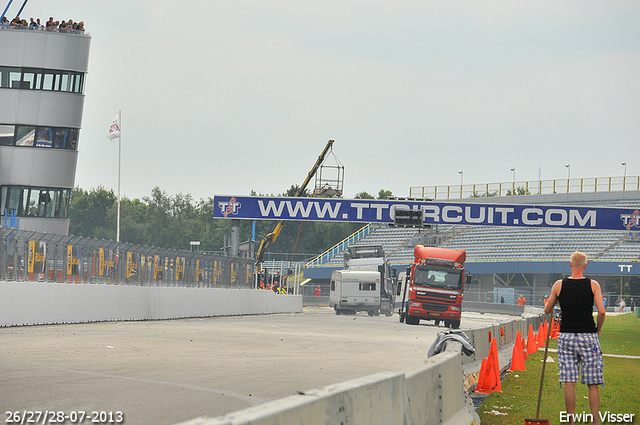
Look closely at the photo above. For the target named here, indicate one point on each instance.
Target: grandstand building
(539, 255)
(42, 81)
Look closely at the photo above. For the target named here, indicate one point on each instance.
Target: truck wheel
(455, 324)
(388, 313)
(370, 313)
(436, 321)
(401, 317)
(337, 311)
(447, 323)
(412, 320)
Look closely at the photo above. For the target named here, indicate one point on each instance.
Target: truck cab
(433, 287)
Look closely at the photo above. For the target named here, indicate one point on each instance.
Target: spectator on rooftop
(16, 22)
(49, 23)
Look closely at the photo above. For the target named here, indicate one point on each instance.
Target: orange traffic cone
(483, 372)
(490, 372)
(555, 329)
(540, 337)
(525, 353)
(517, 358)
(532, 346)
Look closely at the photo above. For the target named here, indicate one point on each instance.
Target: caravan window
(333, 285)
(367, 286)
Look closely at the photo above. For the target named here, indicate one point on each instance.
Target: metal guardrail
(534, 187)
(30, 256)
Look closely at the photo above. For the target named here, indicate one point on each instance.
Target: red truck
(432, 287)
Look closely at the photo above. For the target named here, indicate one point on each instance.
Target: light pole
(624, 178)
(568, 175)
(513, 191)
(461, 182)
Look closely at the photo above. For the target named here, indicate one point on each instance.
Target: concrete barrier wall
(481, 307)
(505, 335)
(30, 303)
(348, 402)
(435, 393)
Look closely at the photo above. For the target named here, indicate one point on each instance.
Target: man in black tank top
(578, 344)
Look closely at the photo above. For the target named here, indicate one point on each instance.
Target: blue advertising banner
(383, 211)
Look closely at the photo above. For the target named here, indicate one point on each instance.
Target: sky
(229, 97)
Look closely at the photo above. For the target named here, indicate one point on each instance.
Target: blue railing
(339, 247)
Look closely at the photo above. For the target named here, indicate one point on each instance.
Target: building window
(41, 137)
(25, 135)
(7, 134)
(35, 201)
(9, 77)
(49, 80)
(41, 79)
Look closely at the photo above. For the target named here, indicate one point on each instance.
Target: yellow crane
(271, 237)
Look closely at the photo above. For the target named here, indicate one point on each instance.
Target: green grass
(621, 335)
(620, 394)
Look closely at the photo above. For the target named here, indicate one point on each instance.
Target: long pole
(544, 363)
(23, 5)
(5, 9)
(119, 163)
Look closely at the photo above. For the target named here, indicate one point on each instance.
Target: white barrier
(373, 400)
(30, 303)
(433, 394)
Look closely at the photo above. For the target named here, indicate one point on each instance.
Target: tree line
(167, 221)
(172, 221)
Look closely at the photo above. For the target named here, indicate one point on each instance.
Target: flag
(114, 130)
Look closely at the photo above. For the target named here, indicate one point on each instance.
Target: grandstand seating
(496, 244)
(538, 244)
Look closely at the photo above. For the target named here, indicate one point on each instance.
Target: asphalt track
(165, 372)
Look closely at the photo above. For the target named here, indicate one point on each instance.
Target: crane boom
(271, 237)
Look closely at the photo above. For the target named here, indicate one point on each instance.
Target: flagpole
(119, 162)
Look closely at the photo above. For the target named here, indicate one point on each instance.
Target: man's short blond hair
(578, 259)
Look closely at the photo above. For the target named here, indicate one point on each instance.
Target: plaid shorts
(580, 351)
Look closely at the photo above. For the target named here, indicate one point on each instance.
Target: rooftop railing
(50, 29)
(535, 187)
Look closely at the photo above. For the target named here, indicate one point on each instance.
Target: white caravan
(353, 291)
